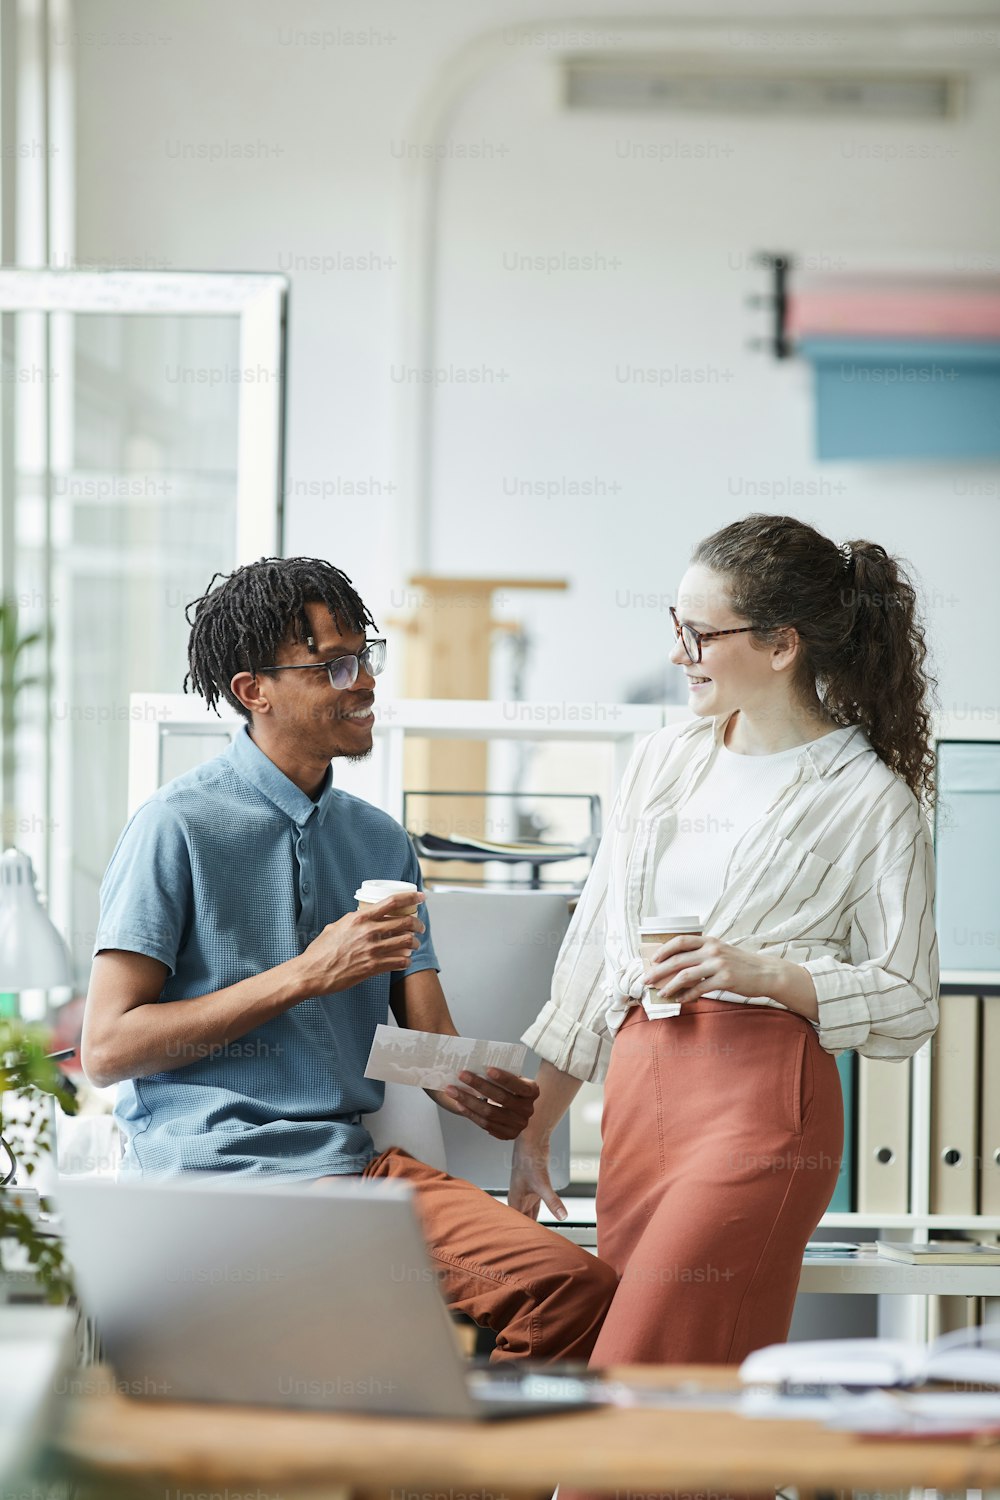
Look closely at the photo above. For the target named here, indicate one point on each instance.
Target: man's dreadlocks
(239, 626)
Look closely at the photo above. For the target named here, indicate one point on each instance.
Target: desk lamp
(32, 954)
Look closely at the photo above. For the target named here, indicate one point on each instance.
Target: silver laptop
(283, 1295)
(497, 951)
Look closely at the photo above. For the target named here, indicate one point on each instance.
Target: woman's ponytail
(856, 614)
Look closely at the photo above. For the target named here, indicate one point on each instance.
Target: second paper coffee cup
(655, 931)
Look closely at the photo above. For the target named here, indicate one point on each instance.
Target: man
(236, 990)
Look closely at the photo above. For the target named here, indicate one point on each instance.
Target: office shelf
(583, 1210)
(988, 1223)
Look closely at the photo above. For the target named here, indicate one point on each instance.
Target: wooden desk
(151, 1447)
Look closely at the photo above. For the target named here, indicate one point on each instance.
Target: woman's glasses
(691, 639)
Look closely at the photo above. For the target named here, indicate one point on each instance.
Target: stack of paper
(941, 1253)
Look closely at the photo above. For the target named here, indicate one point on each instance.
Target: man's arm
(130, 1033)
(418, 1003)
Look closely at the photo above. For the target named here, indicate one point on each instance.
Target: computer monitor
(967, 850)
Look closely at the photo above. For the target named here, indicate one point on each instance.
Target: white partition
(159, 718)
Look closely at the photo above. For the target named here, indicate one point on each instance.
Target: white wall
(329, 118)
(729, 430)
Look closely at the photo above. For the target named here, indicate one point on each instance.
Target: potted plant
(30, 1084)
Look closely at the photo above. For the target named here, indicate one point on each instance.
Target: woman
(788, 817)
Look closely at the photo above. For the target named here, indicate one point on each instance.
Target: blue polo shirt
(226, 872)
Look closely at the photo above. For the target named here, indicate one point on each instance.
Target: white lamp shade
(32, 954)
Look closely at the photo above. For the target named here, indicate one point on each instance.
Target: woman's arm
(530, 1183)
(570, 1030)
(883, 1004)
(687, 968)
(570, 1033)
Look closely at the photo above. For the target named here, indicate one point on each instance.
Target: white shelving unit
(990, 1222)
(157, 717)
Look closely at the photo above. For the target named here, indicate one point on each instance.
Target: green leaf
(27, 1072)
(23, 642)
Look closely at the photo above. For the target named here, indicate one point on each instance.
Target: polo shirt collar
(827, 755)
(254, 766)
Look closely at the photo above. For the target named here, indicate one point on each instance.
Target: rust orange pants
(543, 1297)
(722, 1136)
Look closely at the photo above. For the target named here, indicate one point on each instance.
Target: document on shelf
(940, 1253)
(429, 1061)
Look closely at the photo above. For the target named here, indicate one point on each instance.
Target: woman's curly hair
(856, 614)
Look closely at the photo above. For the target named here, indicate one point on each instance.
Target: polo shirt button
(305, 890)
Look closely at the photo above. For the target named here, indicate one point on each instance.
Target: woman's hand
(530, 1183)
(691, 966)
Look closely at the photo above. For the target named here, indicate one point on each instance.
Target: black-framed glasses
(343, 670)
(691, 639)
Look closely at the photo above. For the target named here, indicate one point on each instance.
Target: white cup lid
(380, 890)
(671, 924)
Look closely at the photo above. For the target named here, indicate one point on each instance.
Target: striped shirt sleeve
(884, 1003)
(570, 1030)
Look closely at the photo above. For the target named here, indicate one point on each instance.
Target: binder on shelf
(883, 1160)
(842, 1201)
(955, 1107)
(989, 1148)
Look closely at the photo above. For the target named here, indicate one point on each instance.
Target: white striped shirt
(837, 875)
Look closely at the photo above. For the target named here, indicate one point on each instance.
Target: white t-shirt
(735, 792)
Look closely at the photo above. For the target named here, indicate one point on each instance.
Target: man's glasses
(343, 670)
(691, 639)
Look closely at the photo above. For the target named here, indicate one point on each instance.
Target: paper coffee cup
(655, 931)
(370, 892)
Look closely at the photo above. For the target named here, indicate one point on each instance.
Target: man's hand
(361, 944)
(501, 1104)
